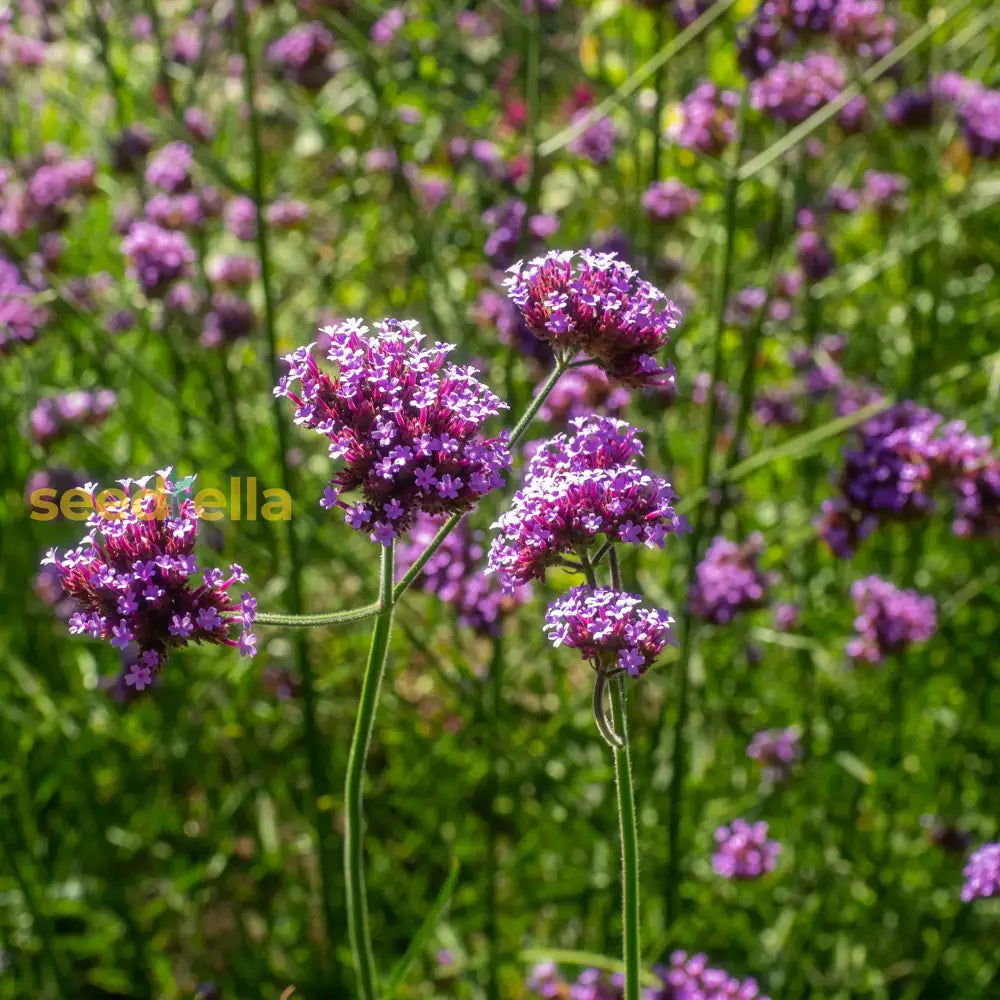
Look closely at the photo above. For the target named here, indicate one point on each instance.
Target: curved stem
(354, 873)
(319, 621)
(602, 721)
(630, 846)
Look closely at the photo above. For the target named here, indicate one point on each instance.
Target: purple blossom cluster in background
(668, 200)
(792, 91)
(509, 226)
(889, 619)
(597, 141)
(744, 850)
(905, 454)
(456, 574)
(706, 119)
(578, 488)
(594, 304)
(687, 977)
(406, 425)
(131, 581)
(982, 873)
(303, 55)
(776, 750)
(21, 314)
(611, 629)
(56, 416)
(582, 391)
(728, 580)
(157, 257)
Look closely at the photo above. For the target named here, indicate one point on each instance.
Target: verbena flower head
(889, 619)
(170, 169)
(728, 581)
(457, 575)
(911, 108)
(982, 873)
(406, 425)
(665, 201)
(861, 28)
(689, 977)
(303, 55)
(581, 391)
(744, 850)
(979, 116)
(776, 750)
(706, 119)
(611, 629)
(792, 91)
(591, 984)
(579, 488)
(582, 301)
(157, 257)
(597, 141)
(21, 314)
(56, 416)
(133, 581)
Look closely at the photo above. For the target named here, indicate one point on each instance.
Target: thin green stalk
(534, 31)
(495, 702)
(319, 621)
(314, 746)
(629, 842)
(354, 872)
(449, 526)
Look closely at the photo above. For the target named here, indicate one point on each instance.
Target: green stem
(354, 872)
(495, 703)
(449, 526)
(319, 621)
(629, 841)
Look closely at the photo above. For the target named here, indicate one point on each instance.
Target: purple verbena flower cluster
(611, 629)
(303, 55)
(55, 416)
(705, 119)
(594, 304)
(744, 850)
(666, 201)
(170, 169)
(862, 28)
(904, 455)
(132, 582)
(792, 91)
(406, 424)
(691, 978)
(546, 982)
(776, 750)
(581, 391)
(889, 619)
(456, 575)
(157, 257)
(597, 141)
(982, 873)
(509, 224)
(21, 315)
(580, 487)
(728, 580)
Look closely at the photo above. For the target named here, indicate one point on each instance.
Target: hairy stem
(318, 621)
(354, 872)
(629, 842)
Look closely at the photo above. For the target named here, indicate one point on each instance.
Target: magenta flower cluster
(776, 750)
(157, 257)
(904, 455)
(744, 850)
(170, 168)
(593, 303)
(706, 119)
(689, 977)
(668, 200)
(131, 581)
(728, 580)
(982, 873)
(406, 425)
(889, 620)
(303, 55)
(21, 314)
(55, 416)
(597, 141)
(582, 391)
(456, 574)
(579, 488)
(611, 629)
(546, 982)
(792, 91)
